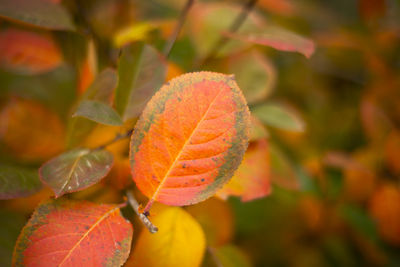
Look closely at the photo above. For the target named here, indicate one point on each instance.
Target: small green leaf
(18, 182)
(75, 170)
(100, 90)
(40, 13)
(98, 112)
(141, 73)
(279, 116)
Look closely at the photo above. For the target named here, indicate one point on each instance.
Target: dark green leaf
(18, 182)
(141, 73)
(98, 112)
(75, 170)
(40, 13)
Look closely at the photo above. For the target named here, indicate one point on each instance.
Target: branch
(116, 139)
(143, 216)
(171, 41)
(235, 26)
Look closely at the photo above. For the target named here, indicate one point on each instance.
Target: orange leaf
(251, 180)
(72, 233)
(385, 209)
(30, 131)
(27, 52)
(190, 139)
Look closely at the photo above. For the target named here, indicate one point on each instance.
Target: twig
(214, 256)
(171, 41)
(223, 40)
(116, 139)
(143, 217)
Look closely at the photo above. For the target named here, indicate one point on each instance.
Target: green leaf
(254, 73)
(141, 73)
(98, 112)
(75, 170)
(40, 13)
(279, 116)
(18, 182)
(100, 90)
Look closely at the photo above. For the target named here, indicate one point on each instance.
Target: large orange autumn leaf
(71, 233)
(190, 139)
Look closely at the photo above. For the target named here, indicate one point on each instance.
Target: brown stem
(171, 41)
(143, 217)
(235, 26)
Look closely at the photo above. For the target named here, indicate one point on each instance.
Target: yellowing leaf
(190, 139)
(179, 242)
(216, 218)
(28, 52)
(252, 178)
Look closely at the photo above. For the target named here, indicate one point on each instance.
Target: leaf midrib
(151, 200)
(87, 233)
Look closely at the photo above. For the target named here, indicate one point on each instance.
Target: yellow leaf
(180, 241)
(136, 32)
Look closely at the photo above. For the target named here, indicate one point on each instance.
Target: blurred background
(321, 79)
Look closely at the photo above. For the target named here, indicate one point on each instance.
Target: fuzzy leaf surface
(75, 170)
(74, 233)
(190, 138)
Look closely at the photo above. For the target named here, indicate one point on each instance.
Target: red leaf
(190, 138)
(70, 233)
(278, 38)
